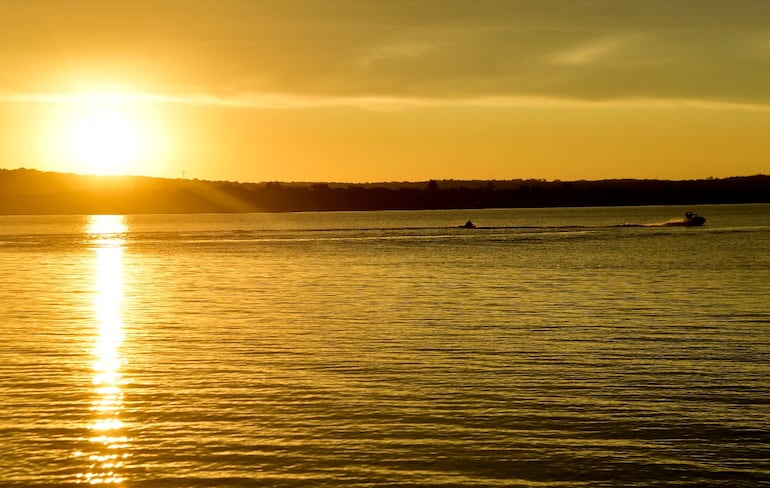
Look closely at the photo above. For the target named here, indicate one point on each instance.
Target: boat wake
(690, 220)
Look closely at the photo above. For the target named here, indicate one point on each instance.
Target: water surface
(549, 348)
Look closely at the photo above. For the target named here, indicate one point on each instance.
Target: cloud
(396, 51)
(612, 50)
(277, 101)
(317, 53)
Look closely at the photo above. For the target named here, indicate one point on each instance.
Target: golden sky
(370, 90)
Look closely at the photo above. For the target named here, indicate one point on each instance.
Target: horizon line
(438, 180)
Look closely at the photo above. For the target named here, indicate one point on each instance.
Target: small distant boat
(690, 219)
(468, 225)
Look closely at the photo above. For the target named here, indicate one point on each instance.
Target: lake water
(550, 348)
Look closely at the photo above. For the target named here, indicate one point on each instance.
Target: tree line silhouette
(25, 191)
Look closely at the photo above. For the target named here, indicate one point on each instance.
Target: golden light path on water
(107, 443)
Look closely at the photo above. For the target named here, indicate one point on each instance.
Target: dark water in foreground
(387, 349)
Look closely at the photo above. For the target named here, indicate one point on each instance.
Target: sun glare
(106, 135)
(104, 140)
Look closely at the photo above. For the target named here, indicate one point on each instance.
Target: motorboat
(468, 225)
(690, 219)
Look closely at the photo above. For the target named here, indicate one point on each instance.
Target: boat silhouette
(690, 219)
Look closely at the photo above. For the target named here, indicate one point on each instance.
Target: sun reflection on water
(107, 444)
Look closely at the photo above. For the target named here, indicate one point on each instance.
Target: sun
(104, 133)
(104, 139)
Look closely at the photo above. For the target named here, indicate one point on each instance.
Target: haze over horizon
(358, 91)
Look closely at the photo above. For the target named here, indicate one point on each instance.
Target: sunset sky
(359, 90)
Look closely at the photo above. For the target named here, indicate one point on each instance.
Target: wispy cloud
(396, 51)
(605, 50)
(289, 102)
(388, 55)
